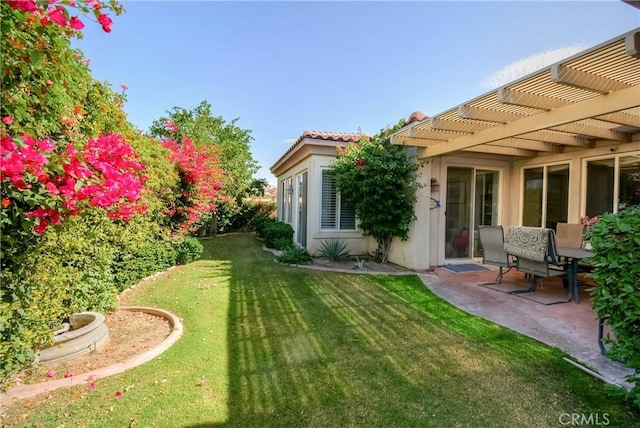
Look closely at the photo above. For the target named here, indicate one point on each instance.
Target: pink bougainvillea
(200, 180)
(104, 173)
(58, 10)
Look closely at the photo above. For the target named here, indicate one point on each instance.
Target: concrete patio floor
(571, 327)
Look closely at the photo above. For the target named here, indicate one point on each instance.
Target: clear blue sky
(286, 67)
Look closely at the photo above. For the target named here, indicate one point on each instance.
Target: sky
(282, 68)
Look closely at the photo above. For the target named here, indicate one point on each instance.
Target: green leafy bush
(616, 244)
(189, 250)
(380, 180)
(261, 224)
(277, 230)
(153, 256)
(68, 271)
(333, 249)
(256, 211)
(283, 243)
(294, 255)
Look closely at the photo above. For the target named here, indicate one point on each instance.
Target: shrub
(153, 256)
(380, 180)
(254, 211)
(283, 244)
(294, 255)
(333, 249)
(189, 250)
(68, 271)
(277, 230)
(259, 225)
(616, 244)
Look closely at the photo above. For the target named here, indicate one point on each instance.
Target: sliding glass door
(472, 201)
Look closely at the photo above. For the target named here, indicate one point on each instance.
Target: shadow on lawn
(317, 349)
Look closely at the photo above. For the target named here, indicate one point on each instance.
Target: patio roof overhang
(575, 103)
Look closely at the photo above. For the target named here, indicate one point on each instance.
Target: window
(286, 190)
(289, 202)
(546, 196)
(612, 184)
(337, 212)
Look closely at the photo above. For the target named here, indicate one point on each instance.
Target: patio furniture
(569, 235)
(536, 254)
(573, 257)
(493, 253)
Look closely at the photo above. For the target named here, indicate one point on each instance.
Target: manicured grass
(280, 346)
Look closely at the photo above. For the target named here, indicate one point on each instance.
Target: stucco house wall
(312, 153)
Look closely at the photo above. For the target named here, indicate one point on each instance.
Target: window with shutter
(337, 212)
(329, 200)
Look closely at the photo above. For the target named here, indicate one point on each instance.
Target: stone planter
(87, 332)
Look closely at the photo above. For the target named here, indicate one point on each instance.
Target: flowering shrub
(69, 158)
(200, 184)
(380, 181)
(589, 221)
(42, 80)
(42, 187)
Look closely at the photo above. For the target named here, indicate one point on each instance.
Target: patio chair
(569, 235)
(535, 252)
(492, 243)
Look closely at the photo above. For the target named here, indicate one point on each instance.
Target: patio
(571, 327)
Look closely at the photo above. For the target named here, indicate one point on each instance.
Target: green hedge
(81, 266)
(189, 250)
(277, 232)
(68, 271)
(616, 244)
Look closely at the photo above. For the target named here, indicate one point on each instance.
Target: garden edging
(27, 391)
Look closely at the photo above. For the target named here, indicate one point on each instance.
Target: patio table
(574, 255)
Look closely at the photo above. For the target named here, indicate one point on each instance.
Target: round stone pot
(87, 332)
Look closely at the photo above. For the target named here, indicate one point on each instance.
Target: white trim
(545, 184)
(616, 177)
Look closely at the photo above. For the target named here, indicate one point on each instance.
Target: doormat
(468, 267)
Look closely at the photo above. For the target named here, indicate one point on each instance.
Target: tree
(232, 146)
(203, 128)
(379, 180)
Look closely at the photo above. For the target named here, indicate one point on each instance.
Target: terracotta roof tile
(332, 136)
(416, 116)
(344, 137)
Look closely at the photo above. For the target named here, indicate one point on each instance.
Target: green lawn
(280, 346)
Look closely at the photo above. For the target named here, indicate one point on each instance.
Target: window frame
(545, 190)
(337, 217)
(616, 179)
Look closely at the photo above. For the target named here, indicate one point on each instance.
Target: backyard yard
(272, 345)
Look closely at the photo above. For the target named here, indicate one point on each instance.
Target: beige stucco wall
(414, 253)
(314, 164)
(425, 247)
(428, 232)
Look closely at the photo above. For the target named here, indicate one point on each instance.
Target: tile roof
(416, 116)
(332, 136)
(344, 137)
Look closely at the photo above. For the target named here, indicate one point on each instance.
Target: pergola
(589, 97)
